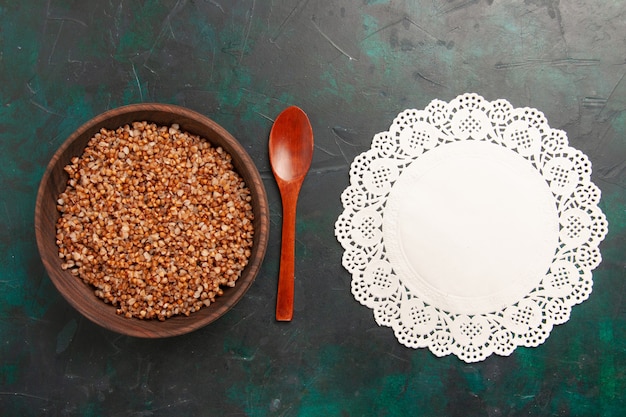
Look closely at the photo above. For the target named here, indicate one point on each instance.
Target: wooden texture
(291, 152)
(54, 181)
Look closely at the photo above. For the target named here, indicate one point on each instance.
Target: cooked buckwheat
(155, 219)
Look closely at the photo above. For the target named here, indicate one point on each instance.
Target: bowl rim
(178, 325)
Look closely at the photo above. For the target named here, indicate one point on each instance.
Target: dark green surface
(352, 66)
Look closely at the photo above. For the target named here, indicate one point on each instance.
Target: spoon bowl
(290, 152)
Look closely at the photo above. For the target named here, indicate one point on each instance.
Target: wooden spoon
(291, 151)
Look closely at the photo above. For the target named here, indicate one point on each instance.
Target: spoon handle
(285, 294)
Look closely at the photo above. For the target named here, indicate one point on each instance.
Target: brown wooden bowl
(81, 295)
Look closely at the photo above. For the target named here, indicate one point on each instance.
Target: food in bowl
(155, 219)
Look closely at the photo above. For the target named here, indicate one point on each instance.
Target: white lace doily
(471, 227)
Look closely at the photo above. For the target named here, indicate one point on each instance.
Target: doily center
(471, 227)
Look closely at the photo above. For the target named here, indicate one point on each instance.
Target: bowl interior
(80, 295)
